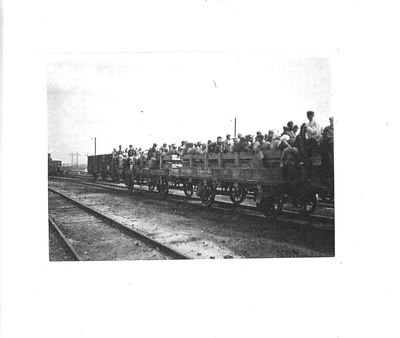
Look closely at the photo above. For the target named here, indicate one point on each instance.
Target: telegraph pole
(77, 155)
(95, 145)
(72, 159)
(234, 130)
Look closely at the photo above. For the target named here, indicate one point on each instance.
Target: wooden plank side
(271, 176)
(264, 176)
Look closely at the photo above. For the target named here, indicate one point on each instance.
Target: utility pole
(77, 156)
(95, 145)
(72, 159)
(234, 130)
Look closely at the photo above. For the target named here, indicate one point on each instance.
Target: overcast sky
(168, 97)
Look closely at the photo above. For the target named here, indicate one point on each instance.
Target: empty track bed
(91, 235)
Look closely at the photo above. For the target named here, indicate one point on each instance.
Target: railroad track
(92, 235)
(71, 250)
(248, 210)
(89, 178)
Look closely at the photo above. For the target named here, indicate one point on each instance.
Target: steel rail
(129, 231)
(53, 223)
(222, 205)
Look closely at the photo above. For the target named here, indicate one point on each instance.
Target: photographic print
(190, 155)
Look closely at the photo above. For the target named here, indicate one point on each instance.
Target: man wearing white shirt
(314, 130)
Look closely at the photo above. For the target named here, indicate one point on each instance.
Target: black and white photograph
(199, 168)
(190, 156)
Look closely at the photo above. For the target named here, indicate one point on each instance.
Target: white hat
(285, 137)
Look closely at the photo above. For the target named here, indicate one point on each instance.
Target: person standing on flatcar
(327, 146)
(276, 139)
(313, 133)
(125, 159)
(295, 130)
(257, 142)
(241, 145)
(120, 151)
(131, 157)
(290, 165)
(284, 142)
(114, 158)
(290, 126)
(285, 131)
(313, 128)
(164, 149)
(290, 132)
(181, 147)
(174, 150)
(203, 148)
(327, 134)
(209, 148)
(218, 145)
(227, 144)
(152, 151)
(131, 151)
(270, 136)
(249, 143)
(265, 144)
(300, 141)
(189, 148)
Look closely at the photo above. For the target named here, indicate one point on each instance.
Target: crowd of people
(310, 135)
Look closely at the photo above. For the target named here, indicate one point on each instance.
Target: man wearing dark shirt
(152, 151)
(131, 151)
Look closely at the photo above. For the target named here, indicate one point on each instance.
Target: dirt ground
(58, 250)
(207, 233)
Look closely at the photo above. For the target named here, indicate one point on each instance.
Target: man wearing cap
(219, 145)
(174, 150)
(257, 142)
(313, 128)
(182, 146)
(131, 151)
(241, 145)
(120, 151)
(164, 149)
(152, 151)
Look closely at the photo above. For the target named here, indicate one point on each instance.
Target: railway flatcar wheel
(237, 195)
(271, 206)
(163, 186)
(308, 204)
(188, 189)
(207, 195)
(151, 185)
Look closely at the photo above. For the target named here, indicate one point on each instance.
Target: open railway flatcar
(234, 174)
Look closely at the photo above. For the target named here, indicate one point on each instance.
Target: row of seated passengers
(271, 141)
